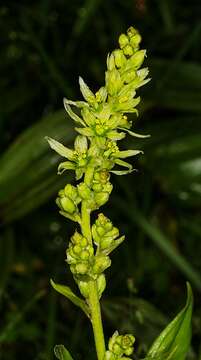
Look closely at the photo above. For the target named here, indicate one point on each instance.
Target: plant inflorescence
(101, 122)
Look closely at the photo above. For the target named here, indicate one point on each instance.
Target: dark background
(45, 46)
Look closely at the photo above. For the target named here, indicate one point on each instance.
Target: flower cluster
(120, 345)
(101, 122)
(83, 263)
(105, 235)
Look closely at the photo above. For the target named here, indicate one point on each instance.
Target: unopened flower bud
(67, 205)
(101, 284)
(81, 268)
(70, 191)
(109, 356)
(123, 40)
(110, 62)
(77, 238)
(128, 50)
(113, 82)
(101, 263)
(131, 31)
(138, 58)
(135, 40)
(97, 187)
(77, 249)
(84, 288)
(119, 57)
(84, 191)
(128, 76)
(101, 198)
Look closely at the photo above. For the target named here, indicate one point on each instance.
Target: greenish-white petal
(86, 92)
(121, 172)
(114, 135)
(141, 136)
(66, 165)
(70, 112)
(85, 131)
(126, 153)
(79, 173)
(81, 144)
(60, 148)
(123, 163)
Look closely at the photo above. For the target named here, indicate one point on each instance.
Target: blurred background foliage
(45, 45)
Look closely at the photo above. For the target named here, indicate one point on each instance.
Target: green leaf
(67, 292)
(60, 148)
(62, 353)
(175, 338)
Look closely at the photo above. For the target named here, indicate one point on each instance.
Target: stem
(93, 292)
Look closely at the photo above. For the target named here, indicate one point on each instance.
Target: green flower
(113, 156)
(77, 158)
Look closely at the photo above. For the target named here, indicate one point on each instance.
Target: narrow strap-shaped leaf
(62, 353)
(67, 292)
(60, 148)
(175, 338)
(71, 113)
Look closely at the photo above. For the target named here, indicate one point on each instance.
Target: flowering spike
(102, 122)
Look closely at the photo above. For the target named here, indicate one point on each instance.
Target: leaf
(60, 148)
(175, 338)
(62, 353)
(67, 292)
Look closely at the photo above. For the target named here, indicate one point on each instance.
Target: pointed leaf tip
(62, 353)
(174, 341)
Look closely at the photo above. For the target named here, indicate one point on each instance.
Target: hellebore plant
(101, 122)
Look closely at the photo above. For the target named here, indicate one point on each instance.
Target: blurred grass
(45, 46)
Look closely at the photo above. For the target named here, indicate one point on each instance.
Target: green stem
(94, 303)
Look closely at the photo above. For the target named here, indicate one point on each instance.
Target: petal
(60, 149)
(85, 131)
(79, 173)
(123, 163)
(134, 134)
(86, 92)
(126, 153)
(114, 135)
(70, 112)
(66, 165)
(81, 144)
(122, 172)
